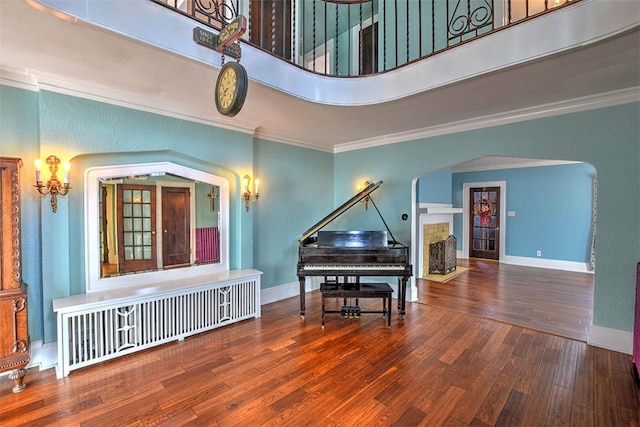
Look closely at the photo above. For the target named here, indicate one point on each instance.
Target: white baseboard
(554, 264)
(42, 356)
(45, 356)
(611, 339)
(288, 290)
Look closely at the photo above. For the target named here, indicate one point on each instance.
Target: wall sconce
(246, 191)
(53, 185)
(367, 198)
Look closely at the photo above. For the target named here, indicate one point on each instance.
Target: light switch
(511, 213)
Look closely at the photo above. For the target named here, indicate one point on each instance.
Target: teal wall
(436, 187)
(552, 206)
(297, 192)
(19, 137)
(608, 138)
(300, 186)
(37, 124)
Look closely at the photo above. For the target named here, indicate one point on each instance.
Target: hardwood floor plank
(568, 364)
(410, 417)
(478, 390)
(540, 397)
(513, 410)
(444, 407)
(606, 410)
(581, 416)
(584, 386)
(527, 376)
(559, 413)
(500, 391)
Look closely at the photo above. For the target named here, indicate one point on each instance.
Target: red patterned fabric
(207, 245)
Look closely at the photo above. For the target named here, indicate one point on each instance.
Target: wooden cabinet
(14, 336)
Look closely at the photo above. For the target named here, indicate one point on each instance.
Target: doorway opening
(484, 220)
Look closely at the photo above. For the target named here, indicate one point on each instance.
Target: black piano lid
(336, 213)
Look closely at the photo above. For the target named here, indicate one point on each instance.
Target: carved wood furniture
(14, 336)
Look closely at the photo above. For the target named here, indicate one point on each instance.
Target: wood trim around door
(466, 209)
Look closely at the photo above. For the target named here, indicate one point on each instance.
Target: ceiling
(83, 59)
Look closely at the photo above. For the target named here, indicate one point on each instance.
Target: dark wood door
(369, 49)
(176, 226)
(270, 26)
(136, 228)
(484, 223)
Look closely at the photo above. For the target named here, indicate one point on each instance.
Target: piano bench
(354, 290)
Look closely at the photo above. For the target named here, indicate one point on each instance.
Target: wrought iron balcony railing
(359, 37)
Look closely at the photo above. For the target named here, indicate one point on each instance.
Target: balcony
(360, 37)
(580, 55)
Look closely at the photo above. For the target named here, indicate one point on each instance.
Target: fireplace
(442, 256)
(435, 224)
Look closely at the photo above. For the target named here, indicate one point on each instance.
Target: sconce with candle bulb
(246, 191)
(53, 186)
(361, 187)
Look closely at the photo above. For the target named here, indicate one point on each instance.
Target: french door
(136, 228)
(484, 222)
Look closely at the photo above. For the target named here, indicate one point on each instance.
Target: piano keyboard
(320, 267)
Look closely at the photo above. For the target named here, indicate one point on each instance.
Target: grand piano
(350, 255)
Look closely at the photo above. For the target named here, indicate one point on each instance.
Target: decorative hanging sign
(210, 40)
(231, 32)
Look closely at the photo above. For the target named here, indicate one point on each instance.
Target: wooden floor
(553, 301)
(437, 366)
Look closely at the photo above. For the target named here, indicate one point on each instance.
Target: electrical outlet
(538, 253)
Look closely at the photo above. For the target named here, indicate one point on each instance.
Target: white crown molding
(35, 81)
(18, 79)
(284, 140)
(592, 102)
(508, 163)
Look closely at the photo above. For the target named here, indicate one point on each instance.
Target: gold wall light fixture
(361, 187)
(53, 186)
(246, 191)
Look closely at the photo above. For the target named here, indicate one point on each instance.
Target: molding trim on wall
(554, 264)
(36, 82)
(611, 339)
(593, 102)
(466, 210)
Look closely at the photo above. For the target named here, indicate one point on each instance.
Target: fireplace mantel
(438, 209)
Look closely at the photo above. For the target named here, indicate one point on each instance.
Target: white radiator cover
(100, 326)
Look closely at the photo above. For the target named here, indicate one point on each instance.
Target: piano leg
(302, 296)
(402, 295)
